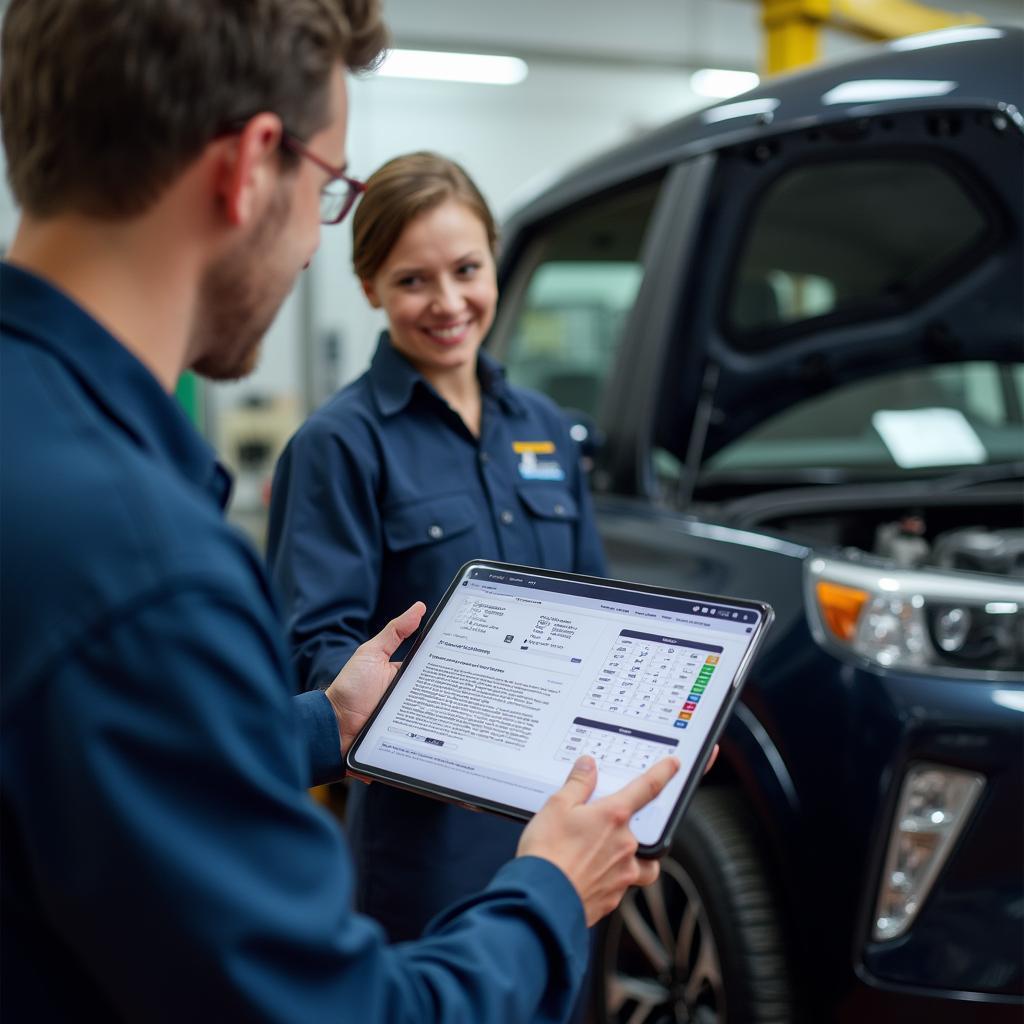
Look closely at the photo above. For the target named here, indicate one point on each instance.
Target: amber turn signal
(840, 608)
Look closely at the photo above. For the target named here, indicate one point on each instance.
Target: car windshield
(912, 421)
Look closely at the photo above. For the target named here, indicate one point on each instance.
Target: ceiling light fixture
(719, 84)
(435, 65)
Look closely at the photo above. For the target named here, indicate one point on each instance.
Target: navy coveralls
(376, 502)
(162, 860)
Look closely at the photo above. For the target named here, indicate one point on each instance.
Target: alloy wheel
(662, 964)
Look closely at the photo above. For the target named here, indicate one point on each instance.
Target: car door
(591, 298)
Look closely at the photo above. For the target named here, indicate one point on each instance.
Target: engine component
(977, 549)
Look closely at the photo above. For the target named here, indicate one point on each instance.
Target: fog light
(934, 805)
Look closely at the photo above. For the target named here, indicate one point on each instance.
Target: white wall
(8, 211)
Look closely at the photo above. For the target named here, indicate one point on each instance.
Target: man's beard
(239, 296)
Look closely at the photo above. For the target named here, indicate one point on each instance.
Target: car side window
(887, 424)
(584, 273)
(850, 237)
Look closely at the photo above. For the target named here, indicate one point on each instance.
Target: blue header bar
(671, 641)
(625, 730)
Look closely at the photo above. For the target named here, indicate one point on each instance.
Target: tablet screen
(519, 673)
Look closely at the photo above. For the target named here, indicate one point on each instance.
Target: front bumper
(967, 942)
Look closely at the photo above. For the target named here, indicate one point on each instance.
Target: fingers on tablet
(641, 791)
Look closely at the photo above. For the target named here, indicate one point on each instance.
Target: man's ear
(370, 292)
(249, 170)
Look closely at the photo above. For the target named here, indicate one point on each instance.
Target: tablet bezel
(474, 803)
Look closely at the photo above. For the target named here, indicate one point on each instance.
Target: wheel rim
(661, 959)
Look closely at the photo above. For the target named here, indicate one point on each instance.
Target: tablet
(519, 671)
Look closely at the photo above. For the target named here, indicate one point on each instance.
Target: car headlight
(916, 618)
(934, 805)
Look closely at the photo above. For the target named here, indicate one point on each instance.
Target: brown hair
(105, 102)
(399, 192)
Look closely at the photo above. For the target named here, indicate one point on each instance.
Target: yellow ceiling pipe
(793, 27)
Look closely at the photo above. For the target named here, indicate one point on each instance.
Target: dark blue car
(788, 331)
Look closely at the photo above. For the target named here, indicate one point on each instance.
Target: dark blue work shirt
(377, 500)
(383, 493)
(161, 855)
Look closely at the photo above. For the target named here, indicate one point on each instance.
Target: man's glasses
(340, 193)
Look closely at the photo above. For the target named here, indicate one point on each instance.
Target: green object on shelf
(189, 394)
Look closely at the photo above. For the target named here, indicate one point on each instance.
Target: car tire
(704, 944)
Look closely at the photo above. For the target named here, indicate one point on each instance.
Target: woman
(426, 461)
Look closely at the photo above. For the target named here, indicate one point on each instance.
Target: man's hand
(358, 687)
(592, 843)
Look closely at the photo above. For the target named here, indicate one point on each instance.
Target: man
(173, 160)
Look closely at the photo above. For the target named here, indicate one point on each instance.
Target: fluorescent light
(719, 84)
(453, 67)
(876, 90)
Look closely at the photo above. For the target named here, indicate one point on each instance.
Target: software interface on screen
(521, 674)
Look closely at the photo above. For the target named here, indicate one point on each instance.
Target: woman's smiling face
(438, 289)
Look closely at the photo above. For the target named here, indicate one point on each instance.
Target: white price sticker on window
(928, 437)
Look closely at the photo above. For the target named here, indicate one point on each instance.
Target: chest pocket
(553, 513)
(428, 522)
(553, 503)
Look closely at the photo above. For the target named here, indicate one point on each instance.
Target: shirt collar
(393, 379)
(114, 378)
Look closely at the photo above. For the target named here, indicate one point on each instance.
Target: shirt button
(484, 457)
(559, 510)
(435, 531)
(506, 517)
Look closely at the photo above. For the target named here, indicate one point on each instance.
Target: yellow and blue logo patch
(531, 464)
